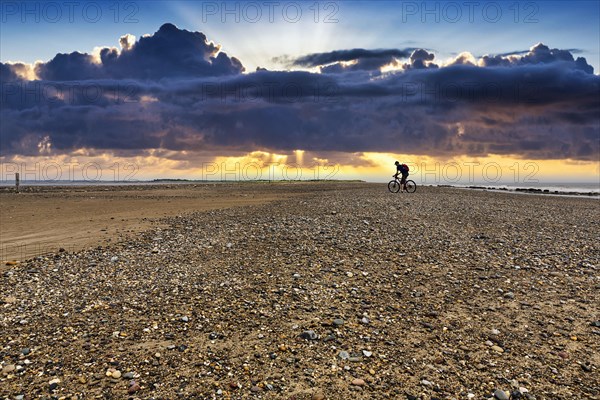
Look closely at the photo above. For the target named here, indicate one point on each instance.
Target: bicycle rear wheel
(411, 186)
(394, 186)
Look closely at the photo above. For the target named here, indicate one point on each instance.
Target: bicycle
(395, 185)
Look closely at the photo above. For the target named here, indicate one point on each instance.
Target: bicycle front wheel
(411, 186)
(394, 186)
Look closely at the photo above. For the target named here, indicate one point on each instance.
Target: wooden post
(17, 181)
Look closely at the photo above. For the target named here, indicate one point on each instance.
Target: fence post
(17, 181)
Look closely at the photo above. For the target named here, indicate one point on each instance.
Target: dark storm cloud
(539, 54)
(420, 59)
(170, 52)
(318, 59)
(545, 106)
(8, 72)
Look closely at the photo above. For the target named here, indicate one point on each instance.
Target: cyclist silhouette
(401, 169)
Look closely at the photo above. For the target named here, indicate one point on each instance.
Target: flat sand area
(301, 291)
(42, 220)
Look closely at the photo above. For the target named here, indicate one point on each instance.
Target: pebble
(133, 387)
(53, 384)
(367, 353)
(343, 355)
(7, 369)
(501, 395)
(309, 335)
(498, 349)
(128, 375)
(25, 351)
(358, 382)
(114, 259)
(426, 383)
(113, 373)
(318, 396)
(338, 322)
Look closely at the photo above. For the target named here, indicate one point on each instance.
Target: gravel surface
(347, 291)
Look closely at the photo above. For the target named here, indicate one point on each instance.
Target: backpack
(405, 168)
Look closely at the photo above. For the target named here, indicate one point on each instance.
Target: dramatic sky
(461, 91)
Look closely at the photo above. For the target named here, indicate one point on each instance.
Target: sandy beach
(298, 291)
(43, 219)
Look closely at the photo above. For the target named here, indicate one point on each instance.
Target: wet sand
(43, 219)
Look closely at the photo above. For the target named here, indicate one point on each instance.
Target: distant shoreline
(575, 191)
(530, 190)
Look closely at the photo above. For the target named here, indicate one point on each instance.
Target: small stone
(133, 388)
(358, 382)
(296, 276)
(367, 353)
(365, 320)
(498, 349)
(8, 369)
(116, 374)
(185, 319)
(10, 299)
(495, 332)
(489, 343)
(25, 351)
(318, 396)
(338, 322)
(509, 295)
(501, 395)
(426, 383)
(343, 355)
(128, 375)
(157, 355)
(349, 274)
(114, 259)
(53, 384)
(309, 335)
(586, 367)
(256, 389)
(595, 324)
